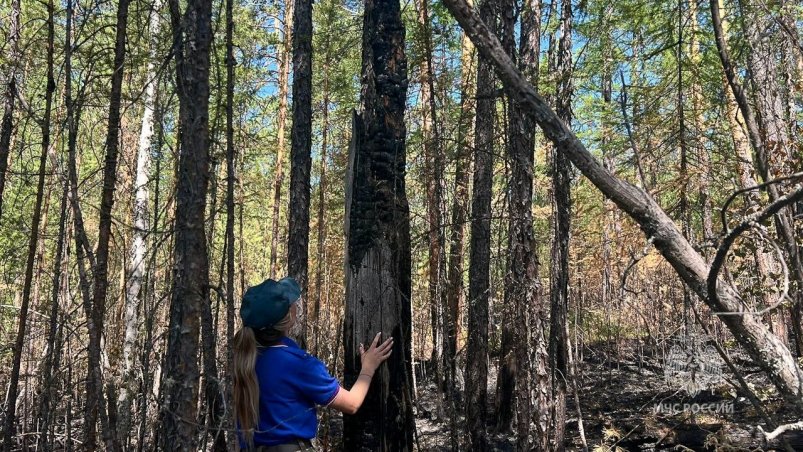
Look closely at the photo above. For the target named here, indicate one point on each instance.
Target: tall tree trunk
(506, 402)
(11, 400)
(378, 260)
(559, 268)
(459, 208)
(301, 152)
(192, 36)
(433, 155)
(761, 345)
(480, 253)
(10, 95)
(322, 186)
(284, 81)
(136, 264)
(94, 384)
(229, 240)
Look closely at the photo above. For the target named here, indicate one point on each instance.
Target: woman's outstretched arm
(349, 401)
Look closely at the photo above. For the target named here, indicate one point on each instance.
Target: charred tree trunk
(506, 402)
(480, 254)
(192, 35)
(10, 95)
(284, 80)
(760, 344)
(11, 400)
(301, 153)
(94, 388)
(559, 268)
(378, 260)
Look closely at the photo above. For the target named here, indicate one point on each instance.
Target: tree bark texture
(301, 150)
(480, 247)
(378, 259)
(192, 34)
(561, 224)
(762, 346)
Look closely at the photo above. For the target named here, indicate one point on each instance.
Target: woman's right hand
(376, 354)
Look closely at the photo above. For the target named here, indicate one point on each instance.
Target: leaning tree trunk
(301, 151)
(378, 261)
(559, 268)
(136, 263)
(480, 253)
(192, 34)
(762, 346)
(11, 399)
(10, 95)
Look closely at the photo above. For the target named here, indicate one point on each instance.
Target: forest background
(641, 83)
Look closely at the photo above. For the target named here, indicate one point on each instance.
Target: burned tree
(378, 284)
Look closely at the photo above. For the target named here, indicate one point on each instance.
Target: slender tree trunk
(229, 241)
(561, 187)
(10, 95)
(11, 400)
(284, 81)
(94, 387)
(301, 152)
(322, 186)
(506, 402)
(762, 346)
(378, 259)
(479, 263)
(192, 35)
(459, 215)
(434, 180)
(136, 264)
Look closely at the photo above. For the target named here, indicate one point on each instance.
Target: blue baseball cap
(267, 303)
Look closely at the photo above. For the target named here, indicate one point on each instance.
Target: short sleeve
(315, 383)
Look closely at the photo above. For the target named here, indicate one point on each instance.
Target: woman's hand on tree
(376, 354)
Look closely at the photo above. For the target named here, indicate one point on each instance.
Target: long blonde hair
(246, 386)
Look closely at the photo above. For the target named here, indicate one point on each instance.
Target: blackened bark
(11, 400)
(559, 268)
(301, 149)
(192, 35)
(508, 368)
(94, 384)
(762, 346)
(378, 260)
(480, 253)
(10, 95)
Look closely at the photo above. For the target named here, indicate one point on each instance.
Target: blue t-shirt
(291, 383)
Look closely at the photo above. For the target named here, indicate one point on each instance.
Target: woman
(277, 384)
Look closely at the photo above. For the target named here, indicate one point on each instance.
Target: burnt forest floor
(619, 390)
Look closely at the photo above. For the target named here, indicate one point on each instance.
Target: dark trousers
(304, 445)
